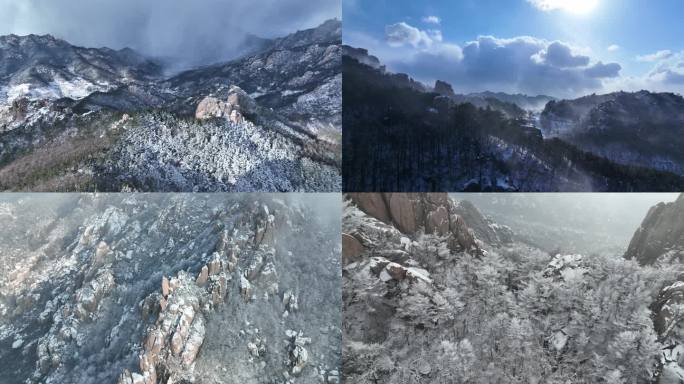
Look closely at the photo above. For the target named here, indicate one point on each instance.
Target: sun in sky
(560, 48)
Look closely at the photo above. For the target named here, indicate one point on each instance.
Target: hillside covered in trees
(401, 135)
(431, 298)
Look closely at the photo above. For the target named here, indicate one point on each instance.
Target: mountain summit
(44, 67)
(75, 118)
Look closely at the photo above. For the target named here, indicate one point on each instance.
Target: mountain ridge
(296, 84)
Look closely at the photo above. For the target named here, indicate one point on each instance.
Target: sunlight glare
(572, 6)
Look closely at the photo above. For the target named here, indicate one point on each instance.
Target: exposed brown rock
(396, 271)
(202, 277)
(241, 106)
(351, 248)
(215, 265)
(238, 107)
(438, 221)
(410, 213)
(211, 107)
(403, 212)
(165, 286)
(194, 341)
(182, 329)
(372, 204)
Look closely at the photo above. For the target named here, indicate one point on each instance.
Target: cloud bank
(658, 56)
(197, 31)
(521, 64)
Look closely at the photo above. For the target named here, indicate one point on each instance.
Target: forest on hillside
(400, 138)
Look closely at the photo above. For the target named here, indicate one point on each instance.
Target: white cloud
(521, 64)
(432, 20)
(418, 41)
(573, 6)
(402, 34)
(660, 55)
(561, 55)
(197, 31)
(435, 35)
(669, 70)
(613, 48)
(667, 75)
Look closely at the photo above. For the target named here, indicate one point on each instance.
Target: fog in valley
(585, 223)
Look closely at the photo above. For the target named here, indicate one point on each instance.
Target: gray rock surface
(103, 288)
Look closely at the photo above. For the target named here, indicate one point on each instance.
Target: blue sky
(598, 45)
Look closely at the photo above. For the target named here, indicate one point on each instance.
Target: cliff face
(661, 234)
(433, 213)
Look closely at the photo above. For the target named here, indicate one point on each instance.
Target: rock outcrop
(173, 343)
(604, 124)
(660, 236)
(432, 213)
(237, 108)
(444, 88)
(146, 289)
(351, 248)
(668, 316)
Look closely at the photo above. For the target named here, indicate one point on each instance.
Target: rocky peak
(444, 88)
(238, 107)
(45, 67)
(661, 234)
(362, 56)
(35, 40)
(329, 31)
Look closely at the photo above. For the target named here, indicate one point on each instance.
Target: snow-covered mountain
(44, 67)
(169, 288)
(401, 135)
(659, 242)
(641, 128)
(428, 298)
(97, 119)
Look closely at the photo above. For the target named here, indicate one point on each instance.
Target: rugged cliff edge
(660, 236)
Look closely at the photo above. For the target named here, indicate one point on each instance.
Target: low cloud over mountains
(194, 31)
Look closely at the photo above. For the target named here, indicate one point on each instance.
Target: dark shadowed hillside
(400, 136)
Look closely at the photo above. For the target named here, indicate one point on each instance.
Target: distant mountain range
(75, 118)
(642, 128)
(514, 106)
(44, 67)
(405, 136)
